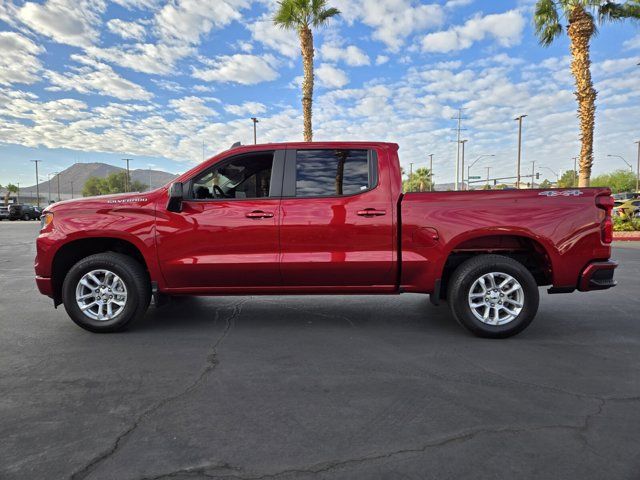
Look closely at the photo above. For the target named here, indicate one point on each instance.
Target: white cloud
(18, 59)
(331, 77)
(458, 3)
(247, 108)
(72, 22)
(392, 20)
(238, 68)
(351, 55)
(282, 41)
(126, 30)
(192, 107)
(633, 43)
(506, 28)
(96, 77)
(185, 21)
(382, 59)
(143, 57)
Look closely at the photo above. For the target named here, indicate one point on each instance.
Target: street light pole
(473, 163)
(58, 177)
(533, 173)
(126, 180)
(519, 120)
(622, 158)
(638, 171)
(18, 193)
(431, 168)
(488, 170)
(575, 170)
(255, 138)
(557, 176)
(37, 183)
(463, 142)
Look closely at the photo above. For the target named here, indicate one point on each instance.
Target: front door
(226, 235)
(337, 223)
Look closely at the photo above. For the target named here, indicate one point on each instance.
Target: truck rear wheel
(493, 296)
(105, 292)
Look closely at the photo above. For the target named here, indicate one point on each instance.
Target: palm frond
(547, 22)
(321, 17)
(615, 12)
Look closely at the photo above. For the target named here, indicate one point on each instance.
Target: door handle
(371, 212)
(258, 214)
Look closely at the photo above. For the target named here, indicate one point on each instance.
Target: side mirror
(176, 196)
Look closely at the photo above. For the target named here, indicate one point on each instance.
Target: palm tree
(582, 16)
(418, 181)
(303, 15)
(11, 188)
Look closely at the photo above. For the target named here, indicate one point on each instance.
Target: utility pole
(638, 171)
(126, 180)
(488, 170)
(575, 171)
(519, 120)
(462, 163)
(58, 176)
(255, 122)
(37, 183)
(431, 168)
(18, 193)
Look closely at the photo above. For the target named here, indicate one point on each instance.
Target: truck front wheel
(493, 296)
(105, 292)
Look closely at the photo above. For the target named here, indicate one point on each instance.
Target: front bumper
(598, 276)
(45, 286)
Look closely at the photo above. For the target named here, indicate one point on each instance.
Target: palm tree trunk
(306, 45)
(581, 29)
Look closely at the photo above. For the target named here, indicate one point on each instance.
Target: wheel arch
(534, 253)
(75, 250)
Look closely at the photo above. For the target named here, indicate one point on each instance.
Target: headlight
(45, 220)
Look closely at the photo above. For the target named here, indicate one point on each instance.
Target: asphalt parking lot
(317, 387)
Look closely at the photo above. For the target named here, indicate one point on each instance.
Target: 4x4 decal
(561, 193)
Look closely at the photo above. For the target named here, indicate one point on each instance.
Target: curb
(626, 236)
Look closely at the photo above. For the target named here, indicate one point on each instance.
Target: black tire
(25, 217)
(130, 272)
(462, 281)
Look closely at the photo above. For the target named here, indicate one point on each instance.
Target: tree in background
(419, 181)
(581, 16)
(619, 181)
(567, 180)
(113, 183)
(303, 15)
(11, 188)
(545, 184)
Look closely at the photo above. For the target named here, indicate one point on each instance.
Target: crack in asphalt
(212, 363)
(213, 471)
(209, 471)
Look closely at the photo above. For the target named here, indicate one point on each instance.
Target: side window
(244, 176)
(326, 173)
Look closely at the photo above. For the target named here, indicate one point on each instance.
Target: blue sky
(98, 80)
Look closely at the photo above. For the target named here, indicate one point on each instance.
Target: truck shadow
(345, 312)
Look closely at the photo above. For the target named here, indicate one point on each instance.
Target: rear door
(336, 220)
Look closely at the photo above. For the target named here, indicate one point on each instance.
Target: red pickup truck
(322, 218)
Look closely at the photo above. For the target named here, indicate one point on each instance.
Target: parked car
(23, 212)
(323, 218)
(4, 212)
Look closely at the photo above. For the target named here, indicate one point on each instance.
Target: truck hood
(106, 200)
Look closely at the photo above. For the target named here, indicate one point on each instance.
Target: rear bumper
(598, 276)
(44, 285)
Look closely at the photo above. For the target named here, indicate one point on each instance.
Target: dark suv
(23, 212)
(4, 212)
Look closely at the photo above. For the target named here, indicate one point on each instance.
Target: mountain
(78, 173)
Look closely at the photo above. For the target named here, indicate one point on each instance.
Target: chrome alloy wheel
(496, 298)
(101, 295)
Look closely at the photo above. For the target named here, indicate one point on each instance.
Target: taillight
(606, 202)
